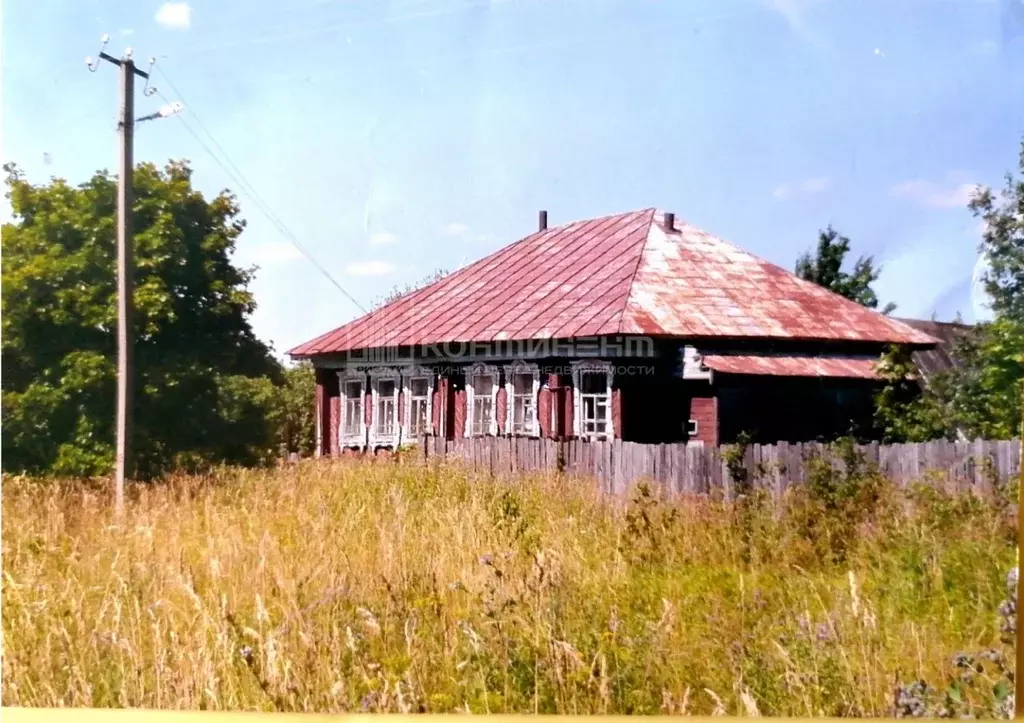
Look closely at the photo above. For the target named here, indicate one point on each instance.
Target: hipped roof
(619, 275)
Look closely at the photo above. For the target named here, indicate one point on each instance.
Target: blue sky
(392, 138)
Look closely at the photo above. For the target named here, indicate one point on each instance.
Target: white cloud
(369, 268)
(382, 238)
(456, 229)
(932, 196)
(806, 187)
(175, 15)
(126, 32)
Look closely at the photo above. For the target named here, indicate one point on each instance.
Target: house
(635, 326)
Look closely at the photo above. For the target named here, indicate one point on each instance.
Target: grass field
(380, 587)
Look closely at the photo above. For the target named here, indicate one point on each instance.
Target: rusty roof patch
(793, 366)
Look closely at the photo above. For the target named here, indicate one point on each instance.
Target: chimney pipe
(542, 221)
(670, 222)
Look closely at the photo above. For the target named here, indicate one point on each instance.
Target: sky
(390, 138)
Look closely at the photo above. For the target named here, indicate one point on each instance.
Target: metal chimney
(542, 221)
(670, 221)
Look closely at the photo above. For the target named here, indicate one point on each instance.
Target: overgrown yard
(380, 587)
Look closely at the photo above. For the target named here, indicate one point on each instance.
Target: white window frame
(358, 438)
(376, 376)
(407, 379)
(473, 372)
(593, 367)
(510, 371)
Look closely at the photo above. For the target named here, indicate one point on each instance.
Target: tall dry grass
(363, 586)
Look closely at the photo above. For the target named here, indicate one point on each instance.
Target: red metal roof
(794, 366)
(615, 275)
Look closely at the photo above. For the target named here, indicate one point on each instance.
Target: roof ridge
(595, 219)
(639, 262)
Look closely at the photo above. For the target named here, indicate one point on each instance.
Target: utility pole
(125, 267)
(125, 372)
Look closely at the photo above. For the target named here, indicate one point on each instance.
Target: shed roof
(622, 274)
(940, 358)
(842, 367)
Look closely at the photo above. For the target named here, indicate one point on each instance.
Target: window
(595, 402)
(419, 407)
(524, 403)
(352, 421)
(483, 403)
(387, 408)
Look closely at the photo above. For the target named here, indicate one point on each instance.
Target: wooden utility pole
(125, 369)
(125, 272)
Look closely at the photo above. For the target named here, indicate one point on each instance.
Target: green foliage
(204, 383)
(295, 409)
(982, 395)
(825, 268)
(991, 386)
(651, 528)
(1003, 243)
(840, 495)
(904, 410)
(979, 684)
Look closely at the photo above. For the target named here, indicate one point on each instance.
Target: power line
(239, 178)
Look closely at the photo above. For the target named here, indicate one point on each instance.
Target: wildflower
(993, 656)
(369, 701)
(803, 623)
(246, 652)
(963, 660)
(910, 700)
(823, 634)
(1005, 707)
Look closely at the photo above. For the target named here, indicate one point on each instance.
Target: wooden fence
(688, 468)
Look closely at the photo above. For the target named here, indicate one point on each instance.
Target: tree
(296, 408)
(984, 392)
(204, 382)
(907, 409)
(825, 268)
(981, 397)
(1003, 243)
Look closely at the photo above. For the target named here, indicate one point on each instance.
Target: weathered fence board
(689, 468)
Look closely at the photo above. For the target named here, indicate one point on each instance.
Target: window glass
(353, 419)
(523, 407)
(483, 404)
(419, 387)
(594, 383)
